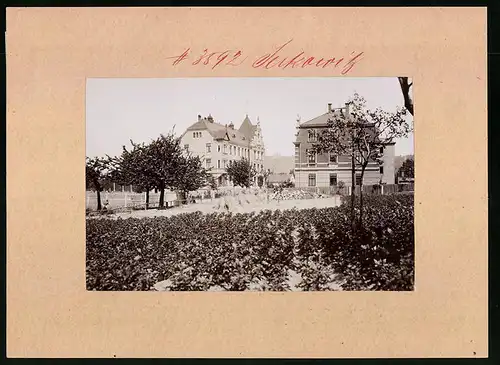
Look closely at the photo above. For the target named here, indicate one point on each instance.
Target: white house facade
(219, 145)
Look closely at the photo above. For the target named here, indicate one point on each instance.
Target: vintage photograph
(250, 184)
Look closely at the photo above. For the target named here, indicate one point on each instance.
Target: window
(209, 147)
(312, 136)
(382, 149)
(311, 156)
(208, 162)
(333, 158)
(218, 163)
(186, 147)
(333, 179)
(224, 162)
(312, 179)
(194, 134)
(358, 179)
(381, 169)
(239, 151)
(218, 148)
(225, 149)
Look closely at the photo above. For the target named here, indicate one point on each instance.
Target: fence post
(125, 200)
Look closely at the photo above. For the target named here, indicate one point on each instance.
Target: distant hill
(279, 164)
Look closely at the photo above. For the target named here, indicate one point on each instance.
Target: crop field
(269, 250)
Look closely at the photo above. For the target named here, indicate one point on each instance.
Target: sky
(118, 110)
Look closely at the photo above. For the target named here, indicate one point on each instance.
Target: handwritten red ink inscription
(213, 59)
(269, 60)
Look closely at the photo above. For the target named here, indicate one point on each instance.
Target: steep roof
(247, 128)
(219, 131)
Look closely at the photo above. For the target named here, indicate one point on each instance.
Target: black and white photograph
(250, 184)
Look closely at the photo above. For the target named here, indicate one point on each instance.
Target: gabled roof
(247, 128)
(198, 126)
(322, 120)
(220, 132)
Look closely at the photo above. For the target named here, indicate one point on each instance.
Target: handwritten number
(236, 56)
(201, 57)
(179, 59)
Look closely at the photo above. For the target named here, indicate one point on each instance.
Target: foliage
(133, 167)
(97, 175)
(191, 175)
(241, 172)
(161, 164)
(362, 134)
(96, 172)
(256, 251)
(407, 169)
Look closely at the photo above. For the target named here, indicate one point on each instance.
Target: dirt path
(244, 204)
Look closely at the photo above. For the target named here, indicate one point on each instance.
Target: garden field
(272, 250)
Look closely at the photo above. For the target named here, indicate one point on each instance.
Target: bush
(256, 250)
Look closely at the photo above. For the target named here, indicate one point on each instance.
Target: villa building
(219, 145)
(327, 170)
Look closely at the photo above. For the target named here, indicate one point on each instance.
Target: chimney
(329, 107)
(231, 125)
(347, 110)
(210, 118)
(199, 118)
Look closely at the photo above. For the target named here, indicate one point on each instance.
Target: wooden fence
(367, 189)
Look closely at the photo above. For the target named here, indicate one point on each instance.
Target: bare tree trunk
(353, 183)
(162, 196)
(147, 199)
(405, 89)
(361, 197)
(99, 205)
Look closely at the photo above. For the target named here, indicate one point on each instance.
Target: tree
(338, 138)
(364, 134)
(407, 90)
(407, 169)
(241, 172)
(96, 175)
(134, 167)
(163, 156)
(190, 175)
